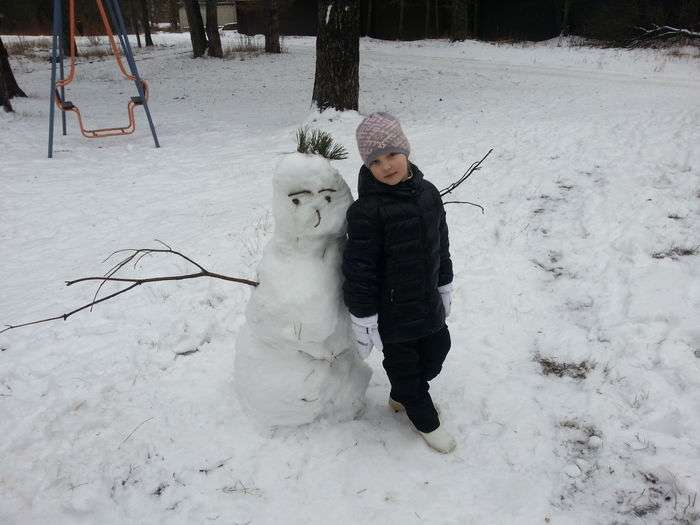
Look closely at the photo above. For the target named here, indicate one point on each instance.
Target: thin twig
(466, 202)
(137, 254)
(164, 278)
(66, 316)
(138, 259)
(114, 269)
(474, 167)
(207, 470)
(132, 432)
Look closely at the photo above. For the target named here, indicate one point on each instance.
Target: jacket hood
(368, 185)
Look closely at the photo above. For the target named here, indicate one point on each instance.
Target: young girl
(398, 272)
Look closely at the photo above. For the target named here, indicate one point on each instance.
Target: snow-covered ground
(587, 255)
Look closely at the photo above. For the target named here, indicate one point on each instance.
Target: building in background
(226, 14)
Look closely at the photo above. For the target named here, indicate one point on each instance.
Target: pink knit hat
(379, 134)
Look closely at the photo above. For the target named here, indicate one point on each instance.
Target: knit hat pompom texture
(380, 134)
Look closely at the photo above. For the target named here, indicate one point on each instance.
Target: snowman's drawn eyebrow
(326, 189)
(299, 193)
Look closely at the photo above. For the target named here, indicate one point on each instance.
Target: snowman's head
(310, 198)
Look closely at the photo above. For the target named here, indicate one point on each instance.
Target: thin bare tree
(426, 33)
(453, 21)
(460, 29)
(194, 20)
(272, 27)
(4, 95)
(146, 22)
(467, 19)
(566, 18)
(368, 20)
(134, 20)
(437, 18)
(214, 45)
(66, 41)
(337, 82)
(173, 15)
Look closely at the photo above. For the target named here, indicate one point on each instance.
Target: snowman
(296, 359)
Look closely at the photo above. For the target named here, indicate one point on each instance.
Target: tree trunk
(174, 15)
(337, 82)
(427, 19)
(4, 92)
(65, 35)
(460, 20)
(272, 29)
(368, 26)
(4, 97)
(214, 47)
(399, 33)
(194, 20)
(467, 29)
(134, 22)
(566, 19)
(437, 19)
(8, 84)
(145, 20)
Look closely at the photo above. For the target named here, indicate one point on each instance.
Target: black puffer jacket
(397, 255)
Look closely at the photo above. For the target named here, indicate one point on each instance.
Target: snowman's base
(283, 387)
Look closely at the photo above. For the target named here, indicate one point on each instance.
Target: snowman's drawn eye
(301, 192)
(329, 190)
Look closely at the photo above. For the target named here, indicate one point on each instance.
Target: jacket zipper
(391, 296)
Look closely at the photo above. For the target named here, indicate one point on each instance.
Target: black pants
(410, 365)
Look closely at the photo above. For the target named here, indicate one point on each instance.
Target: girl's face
(390, 169)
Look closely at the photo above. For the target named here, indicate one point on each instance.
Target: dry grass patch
(94, 52)
(676, 252)
(28, 48)
(247, 47)
(560, 369)
(243, 48)
(40, 48)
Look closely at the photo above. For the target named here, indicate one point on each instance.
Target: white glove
(446, 296)
(366, 330)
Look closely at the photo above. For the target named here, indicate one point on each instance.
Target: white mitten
(366, 330)
(446, 296)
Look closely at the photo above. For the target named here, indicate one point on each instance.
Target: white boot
(440, 440)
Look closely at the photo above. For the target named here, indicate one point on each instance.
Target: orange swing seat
(65, 105)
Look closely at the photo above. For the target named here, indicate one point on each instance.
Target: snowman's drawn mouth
(318, 213)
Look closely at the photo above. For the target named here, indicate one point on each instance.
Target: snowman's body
(295, 356)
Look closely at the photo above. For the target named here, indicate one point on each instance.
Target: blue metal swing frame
(57, 93)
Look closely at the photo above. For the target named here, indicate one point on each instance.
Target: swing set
(111, 18)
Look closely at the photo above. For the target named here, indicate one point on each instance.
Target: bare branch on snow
(474, 167)
(134, 255)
